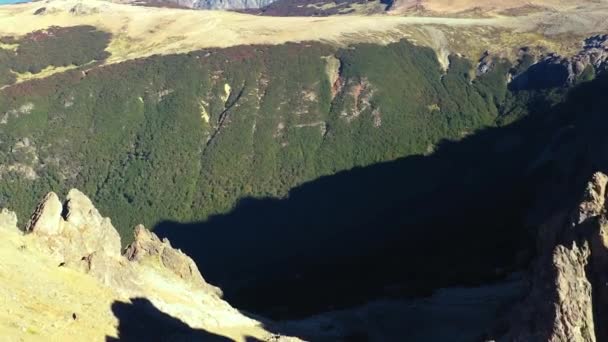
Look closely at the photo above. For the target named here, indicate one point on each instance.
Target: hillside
(347, 175)
(67, 282)
(144, 31)
(491, 6)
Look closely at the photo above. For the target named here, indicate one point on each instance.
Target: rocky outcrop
(78, 236)
(553, 70)
(568, 296)
(38, 273)
(147, 247)
(485, 65)
(46, 219)
(75, 230)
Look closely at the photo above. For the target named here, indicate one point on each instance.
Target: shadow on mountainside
(404, 227)
(140, 320)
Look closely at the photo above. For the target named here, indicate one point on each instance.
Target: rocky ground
(65, 279)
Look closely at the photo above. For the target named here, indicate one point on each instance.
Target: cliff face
(66, 278)
(553, 70)
(568, 288)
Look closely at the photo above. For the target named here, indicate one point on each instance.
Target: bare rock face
(553, 70)
(568, 297)
(46, 219)
(148, 247)
(573, 309)
(99, 235)
(593, 200)
(76, 231)
(77, 236)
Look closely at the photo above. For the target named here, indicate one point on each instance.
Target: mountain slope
(67, 282)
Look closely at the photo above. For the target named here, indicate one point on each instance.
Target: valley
(375, 165)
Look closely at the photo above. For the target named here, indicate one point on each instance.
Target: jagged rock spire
(78, 236)
(76, 230)
(569, 293)
(46, 219)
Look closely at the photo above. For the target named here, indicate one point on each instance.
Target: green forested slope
(53, 47)
(184, 137)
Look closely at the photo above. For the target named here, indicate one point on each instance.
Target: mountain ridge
(72, 262)
(136, 32)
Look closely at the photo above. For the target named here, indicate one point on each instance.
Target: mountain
(347, 176)
(212, 4)
(508, 7)
(70, 259)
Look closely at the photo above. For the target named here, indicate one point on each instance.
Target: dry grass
(463, 6)
(144, 31)
(38, 298)
(46, 72)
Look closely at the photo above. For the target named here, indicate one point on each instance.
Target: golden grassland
(38, 298)
(144, 31)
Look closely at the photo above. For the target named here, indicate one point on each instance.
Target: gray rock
(46, 219)
(80, 232)
(569, 275)
(147, 246)
(553, 70)
(98, 233)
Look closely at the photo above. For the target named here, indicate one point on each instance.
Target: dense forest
(53, 47)
(183, 137)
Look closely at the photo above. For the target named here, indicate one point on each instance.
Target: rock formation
(553, 70)
(147, 247)
(46, 219)
(75, 241)
(77, 236)
(568, 289)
